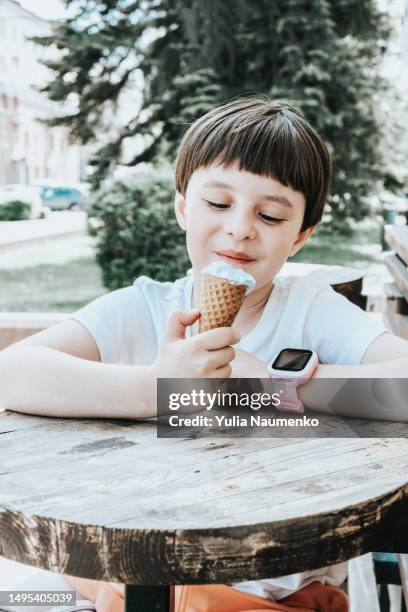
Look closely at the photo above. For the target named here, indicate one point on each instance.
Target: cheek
(290, 234)
(200, 222)
(277, 247)
(280, 238)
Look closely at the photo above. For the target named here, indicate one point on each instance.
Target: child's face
(250, 221)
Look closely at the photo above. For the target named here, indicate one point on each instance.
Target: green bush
(15, 210)
(137, 232)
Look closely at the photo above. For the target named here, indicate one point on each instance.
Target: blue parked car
(61, 198)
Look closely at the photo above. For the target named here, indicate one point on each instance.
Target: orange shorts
(315, 597)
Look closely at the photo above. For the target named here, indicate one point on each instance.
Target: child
(252, 178)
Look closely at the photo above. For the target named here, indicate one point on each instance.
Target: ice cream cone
(221, 300)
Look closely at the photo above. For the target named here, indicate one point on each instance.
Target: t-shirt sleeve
(339, 331)
(121, 325)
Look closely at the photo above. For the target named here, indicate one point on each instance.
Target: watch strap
(289, 400)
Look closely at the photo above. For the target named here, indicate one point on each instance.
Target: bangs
(262, 137)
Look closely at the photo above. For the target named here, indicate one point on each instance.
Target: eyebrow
(271, 198)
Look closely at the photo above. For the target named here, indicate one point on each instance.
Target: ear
(180, 210)
(301, 239)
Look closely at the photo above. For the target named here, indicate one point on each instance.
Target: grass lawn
(52, 288)
(362, 250)
(28, 282)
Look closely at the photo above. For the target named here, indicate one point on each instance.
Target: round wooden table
(108, 500)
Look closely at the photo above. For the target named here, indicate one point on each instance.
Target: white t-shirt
(128, 326)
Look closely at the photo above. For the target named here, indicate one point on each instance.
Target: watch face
(292, 360)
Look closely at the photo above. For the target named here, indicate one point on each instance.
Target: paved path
(56, 224)
(54, 250)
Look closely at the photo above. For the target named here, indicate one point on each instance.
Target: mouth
(235, 257)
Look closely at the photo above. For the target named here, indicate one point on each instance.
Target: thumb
(178, 321)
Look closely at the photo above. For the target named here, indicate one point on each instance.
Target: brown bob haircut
(265, 137)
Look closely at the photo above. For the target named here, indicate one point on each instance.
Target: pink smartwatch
(292, 367)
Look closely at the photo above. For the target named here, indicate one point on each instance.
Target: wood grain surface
(399, 272)
(109, 500)
(362, 585)
(397, 238)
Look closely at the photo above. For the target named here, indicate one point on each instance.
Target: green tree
(322, 55)
(137, 232)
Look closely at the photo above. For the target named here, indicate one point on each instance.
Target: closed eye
(266, 218)
(216, 205)
(269, 219)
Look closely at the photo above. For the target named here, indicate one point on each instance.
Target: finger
(221, 357)
(178, 321)
(224, 372)
(217, 338)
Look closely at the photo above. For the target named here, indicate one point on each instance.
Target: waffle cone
(220, 301)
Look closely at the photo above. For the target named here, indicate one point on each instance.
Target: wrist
(293, 367)
(150, 392)
(246, 365)
(262, 370)
(142, 394)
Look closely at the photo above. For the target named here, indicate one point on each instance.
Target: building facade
(29, 150)
(395, 62)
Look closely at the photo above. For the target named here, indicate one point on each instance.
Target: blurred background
(95, 95)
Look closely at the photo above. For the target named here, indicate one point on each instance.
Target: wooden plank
(361, 584)
(345, 280)
(162, 500)
(222, 500)
(397, 306)
(396, 302)
(94, 453)
(392, 292)
(403, 568)
(11, 335)
(397, 323)
(15, 326)
(397, 238)
(399, 272)
(35, 320)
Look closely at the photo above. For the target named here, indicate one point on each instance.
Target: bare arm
(385, 360)
(58, 373)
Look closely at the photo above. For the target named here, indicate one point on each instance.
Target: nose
(240, 225)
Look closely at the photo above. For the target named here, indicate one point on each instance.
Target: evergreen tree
(319, 54)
